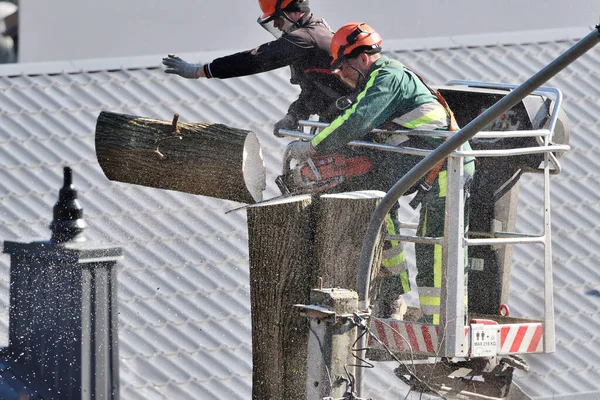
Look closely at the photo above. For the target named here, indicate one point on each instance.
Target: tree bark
(342, 222)
(200, 158)
(280, 238)
(291, 243)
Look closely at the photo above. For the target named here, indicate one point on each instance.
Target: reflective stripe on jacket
(390, 91)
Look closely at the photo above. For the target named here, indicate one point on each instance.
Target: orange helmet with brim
(351, 40)
(272, 9)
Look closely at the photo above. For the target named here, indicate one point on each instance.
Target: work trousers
(428, 256)
(392, 279)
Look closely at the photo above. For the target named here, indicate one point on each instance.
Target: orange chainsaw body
(321, 173)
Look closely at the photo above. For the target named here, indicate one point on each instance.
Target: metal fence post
(330, 367)
(63, 326)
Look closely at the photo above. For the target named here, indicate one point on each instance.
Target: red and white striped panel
(423, 338)
(402, 336)
(521, 338)
(406, 335)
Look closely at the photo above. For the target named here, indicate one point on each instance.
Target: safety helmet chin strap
(361, 77)
(295, 24)
(279, 12)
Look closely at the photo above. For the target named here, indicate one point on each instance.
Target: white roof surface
(184, 286)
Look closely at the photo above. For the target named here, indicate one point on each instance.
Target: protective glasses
(270, 27)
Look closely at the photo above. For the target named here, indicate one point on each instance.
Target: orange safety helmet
(351, 40)
(272, 8)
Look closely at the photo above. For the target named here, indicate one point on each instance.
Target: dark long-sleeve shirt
(306, 50)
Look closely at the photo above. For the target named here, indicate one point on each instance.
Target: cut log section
(200, 158)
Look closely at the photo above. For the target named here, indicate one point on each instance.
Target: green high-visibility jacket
(390, 91)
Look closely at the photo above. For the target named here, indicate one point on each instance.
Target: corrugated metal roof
(184, 287)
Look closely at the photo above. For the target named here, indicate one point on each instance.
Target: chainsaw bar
(283, 196)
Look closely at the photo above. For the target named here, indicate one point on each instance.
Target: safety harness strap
(427, 182)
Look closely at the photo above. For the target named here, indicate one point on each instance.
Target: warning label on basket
(484, 340)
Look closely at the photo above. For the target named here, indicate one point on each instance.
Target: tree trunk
(291, 243)
(280, 238)
(342, 222)
(200, 158)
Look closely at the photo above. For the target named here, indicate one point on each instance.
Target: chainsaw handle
(287, 160)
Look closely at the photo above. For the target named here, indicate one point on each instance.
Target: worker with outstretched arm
(302, 42)
(393, 97)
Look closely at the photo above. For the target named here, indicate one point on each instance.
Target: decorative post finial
(68, 223)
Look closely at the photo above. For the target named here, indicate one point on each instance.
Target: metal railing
(455, 241)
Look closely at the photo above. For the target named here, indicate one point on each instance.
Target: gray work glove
(300, 150)
(180, 67)
(288, 122)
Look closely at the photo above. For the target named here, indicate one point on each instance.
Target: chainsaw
(319, 173)
(315, 175)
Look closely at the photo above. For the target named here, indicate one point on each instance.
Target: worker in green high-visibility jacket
(394, 97)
